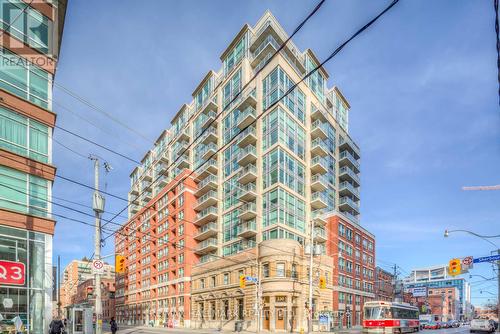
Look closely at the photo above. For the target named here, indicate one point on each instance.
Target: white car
(482, 325)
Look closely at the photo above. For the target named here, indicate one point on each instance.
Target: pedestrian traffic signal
(120, 264)
(242, 281)
(322, 282)
(454, 267)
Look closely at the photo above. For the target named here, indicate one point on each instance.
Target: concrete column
(272, 314)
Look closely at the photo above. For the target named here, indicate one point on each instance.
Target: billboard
(420, 292)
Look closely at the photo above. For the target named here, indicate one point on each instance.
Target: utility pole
(311, 255)
(58, 286)
(98, 206)
(397, 297)
(258, 286)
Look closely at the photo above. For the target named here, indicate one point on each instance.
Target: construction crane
(497, 187)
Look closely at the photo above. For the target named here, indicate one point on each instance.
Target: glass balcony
(210, 136)
(319, 129)
(210, 105)
(209, 199)
(348, 144)
(318, 200)
(209, 168)
(246, 117)
(351, 216)
(182, 162)
(247, 99)
(347, 159)
(206, 246)
(247, 155)
(134, 190)
(319, 165)
(248, 192)
(347, 189)
(248, 211)
(319, 147)
(347, 174)
(347, 204)
(147, 195)
(247, 229)
(148, 174)
(162, 180)
(317, 113)
(320, 234)
(247, 137)
(164, 157)
(207, 119)
(207, 184)
(247, 174)
(269, 44)
(319, 182)
(208, 151)
(183, 135)
(207, 215)
(134, 208)
(206, 231)
(318, 217)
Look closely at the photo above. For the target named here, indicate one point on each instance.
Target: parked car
(482, 325)
(432, 325)
(455, 324)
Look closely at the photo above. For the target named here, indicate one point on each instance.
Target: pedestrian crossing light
(120, 264)
(454, 267)
(322, 282)
(242, 281)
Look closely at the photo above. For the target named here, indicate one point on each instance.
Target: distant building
(450, 304)
(76, 272)
(384, 285)
(436, 277)
(85, 294)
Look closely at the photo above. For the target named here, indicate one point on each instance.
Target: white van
(482, 325)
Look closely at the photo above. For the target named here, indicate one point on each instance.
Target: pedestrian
(114, 326)
(56, 326)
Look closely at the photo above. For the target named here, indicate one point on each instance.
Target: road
(156, 330)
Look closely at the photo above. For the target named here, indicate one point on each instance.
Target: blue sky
(421, 83)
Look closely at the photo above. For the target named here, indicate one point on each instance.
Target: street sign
(467, 261)
(487, 259)
(12, 273)
(98, 267)
(251, 279)
(419, 291)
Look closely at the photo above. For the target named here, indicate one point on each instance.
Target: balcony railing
(210, 135)
(347, 188)
(246, 117)
(346, 157)
(209, 168)
(320, 234)
(319, 182)
(248, 211)
(347, 173)
(319, 129)
(206, 215)
(206, 184)
(346, 203)
(247, 155)
(247, 174)
(209, 199)
(319, 147)
(248, 192)
(319, 200)
(208, 151)
(206, 231)
(247, 229)
(319, 165)
(207, 246)
(247, 136)
(347, 143)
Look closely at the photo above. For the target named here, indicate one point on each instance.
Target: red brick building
(353, 250)
(158, 246)
(85, 294)
(384, 286)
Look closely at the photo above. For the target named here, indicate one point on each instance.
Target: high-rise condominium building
(30, 36)
(266, 166)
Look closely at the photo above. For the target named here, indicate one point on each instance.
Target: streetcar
(389, 317)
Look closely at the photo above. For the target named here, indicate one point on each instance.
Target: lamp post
(485, 238)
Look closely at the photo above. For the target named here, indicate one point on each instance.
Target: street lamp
(485, 238)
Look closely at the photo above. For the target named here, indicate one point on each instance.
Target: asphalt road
(156, 330)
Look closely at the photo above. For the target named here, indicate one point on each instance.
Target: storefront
(26, 278)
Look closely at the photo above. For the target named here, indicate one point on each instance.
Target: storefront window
(31, 301)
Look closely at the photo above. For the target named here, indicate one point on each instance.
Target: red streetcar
(388, 317)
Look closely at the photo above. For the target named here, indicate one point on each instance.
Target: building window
(280, 269)
(213, 280)
(240, 309)
(202, 283)
(226, 278)
(26, 24)
(24, 192)
(294, 270)
(265, 270)
(280, 166)
(23, 136)
(235, 55)
(279, 126)
(232, 88)
(23, 79)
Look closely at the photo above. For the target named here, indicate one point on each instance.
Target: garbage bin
(238, 326)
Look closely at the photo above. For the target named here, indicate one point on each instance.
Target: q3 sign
(12, 273)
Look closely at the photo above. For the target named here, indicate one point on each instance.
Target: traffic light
(242, 281)
(454, 267)
(90, 292)
(322, 282)
(120, 264)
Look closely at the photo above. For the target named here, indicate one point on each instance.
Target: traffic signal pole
(311, 254)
